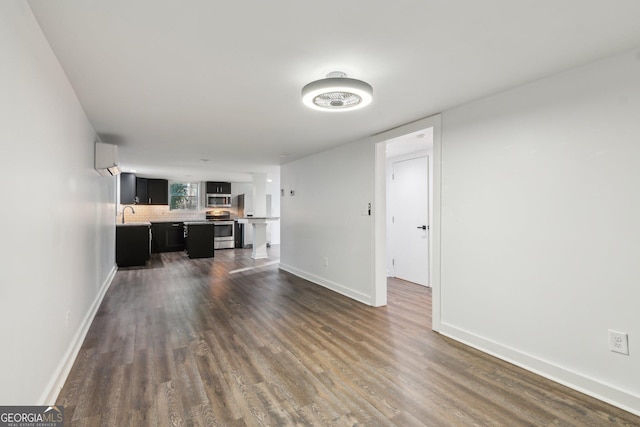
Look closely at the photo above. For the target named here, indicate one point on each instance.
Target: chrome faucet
(123, 209)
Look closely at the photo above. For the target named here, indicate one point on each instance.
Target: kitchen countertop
(254, 219)
(133, 224)
(198, 222)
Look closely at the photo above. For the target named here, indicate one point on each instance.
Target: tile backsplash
(159, 213)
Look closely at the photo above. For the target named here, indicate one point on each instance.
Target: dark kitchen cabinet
(158, 192)
(152, 191)
(127, 188)
(142, 192)
(167, 236)
(199, 242)
(218, 187)
(174, 237)
(132, 245)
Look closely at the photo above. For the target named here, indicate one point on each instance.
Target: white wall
(58, 215)
(325, 219)
(541, 226)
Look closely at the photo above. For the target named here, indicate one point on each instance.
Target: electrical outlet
(326, 261)
(619, 342)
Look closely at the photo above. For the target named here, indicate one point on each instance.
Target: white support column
(259, 219)
(260, 194)
(259, 240)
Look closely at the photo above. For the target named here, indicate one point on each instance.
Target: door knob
(423, 227)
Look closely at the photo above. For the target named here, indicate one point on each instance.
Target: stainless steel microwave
(218, 200)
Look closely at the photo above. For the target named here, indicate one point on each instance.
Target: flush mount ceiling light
(337, 92)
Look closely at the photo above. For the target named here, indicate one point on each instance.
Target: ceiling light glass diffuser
(337, 92)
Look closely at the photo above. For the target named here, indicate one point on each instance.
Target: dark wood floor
(193, 343)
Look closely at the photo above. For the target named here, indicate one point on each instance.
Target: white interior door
(410, 220)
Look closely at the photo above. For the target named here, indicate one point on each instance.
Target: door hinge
(393, 261)
(393, 220)
(393, 176)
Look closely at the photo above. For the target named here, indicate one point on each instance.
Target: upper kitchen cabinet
(143, 191)
(152, 191)
(218, 187)
(127, 188)
(158, 192)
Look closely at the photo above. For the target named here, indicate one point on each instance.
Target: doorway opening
(407, 191)
(408, 220)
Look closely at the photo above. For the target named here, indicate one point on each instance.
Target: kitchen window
(183, 195)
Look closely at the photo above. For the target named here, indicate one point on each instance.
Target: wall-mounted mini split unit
(106, 162)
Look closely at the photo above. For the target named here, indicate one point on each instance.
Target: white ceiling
(413, 142)
(174, 82)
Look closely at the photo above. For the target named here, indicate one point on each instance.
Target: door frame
(380, 212)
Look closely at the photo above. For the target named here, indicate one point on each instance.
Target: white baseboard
(64, 367)
(576, 381)
(336, 287)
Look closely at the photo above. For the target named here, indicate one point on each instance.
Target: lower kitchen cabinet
(199, 240)
(132, 244)
(167, 236)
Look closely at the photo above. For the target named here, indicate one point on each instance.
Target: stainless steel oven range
(223, 230)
